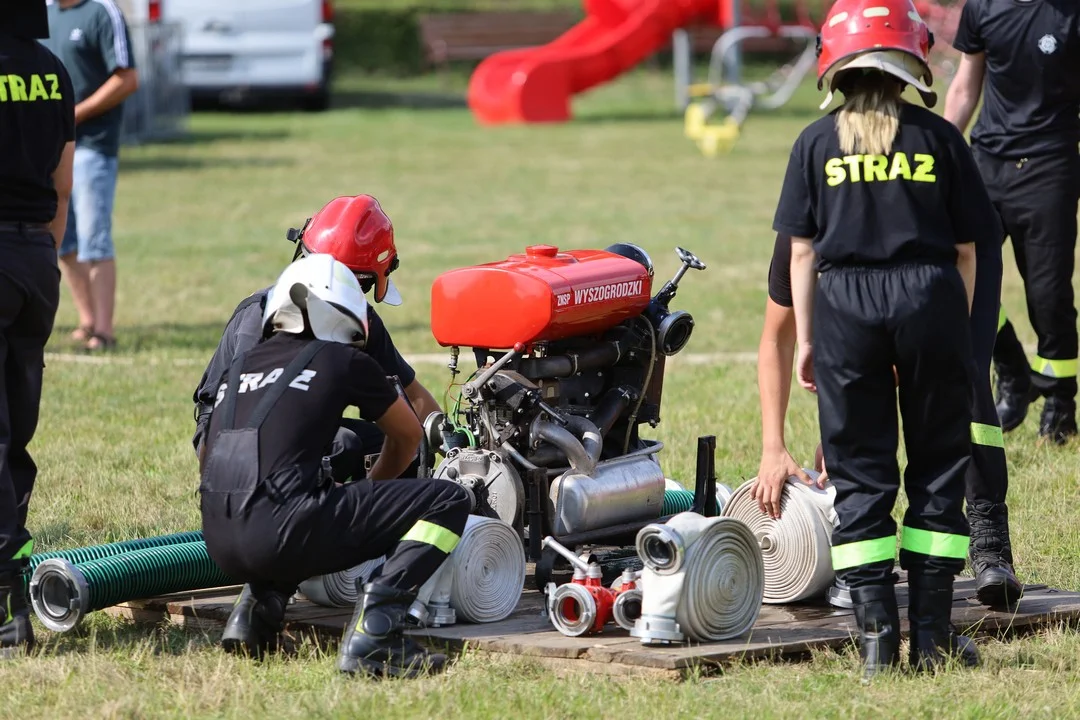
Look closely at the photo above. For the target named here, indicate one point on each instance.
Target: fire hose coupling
(60, 594)
(796, 548)
(584, 606)
(703, 580)
(661, 548)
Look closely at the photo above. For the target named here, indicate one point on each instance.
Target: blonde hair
(869, 120)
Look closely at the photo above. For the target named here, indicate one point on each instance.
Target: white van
(238, 48)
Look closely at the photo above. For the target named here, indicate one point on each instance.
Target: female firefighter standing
(883, 199)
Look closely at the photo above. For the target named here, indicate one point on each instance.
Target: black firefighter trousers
(1037, 200)
(988, 474)
(292, 529)
(29, 295)
(866, 321)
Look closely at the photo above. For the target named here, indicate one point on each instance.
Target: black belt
(21, 227)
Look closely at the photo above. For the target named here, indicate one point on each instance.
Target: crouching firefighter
(273, 516)
(357, 232)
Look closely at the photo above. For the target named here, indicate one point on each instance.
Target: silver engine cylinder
(618, 491)
(495, 485)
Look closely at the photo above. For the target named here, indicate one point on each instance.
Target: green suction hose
(95, 552)
(677, 501)
(63, 592)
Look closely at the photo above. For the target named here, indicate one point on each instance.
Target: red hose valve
(584, 606)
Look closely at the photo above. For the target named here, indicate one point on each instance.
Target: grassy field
(201, 223)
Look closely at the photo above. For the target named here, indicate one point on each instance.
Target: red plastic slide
(536, 84)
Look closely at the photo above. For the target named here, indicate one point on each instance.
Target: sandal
(100, 343)
(82, 334)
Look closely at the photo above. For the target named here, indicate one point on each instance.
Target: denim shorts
(89, 224)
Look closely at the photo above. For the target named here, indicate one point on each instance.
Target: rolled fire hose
(63, 592)
(339, 589)
(482, 579)
(796, 548)
(489, 571)
(703, 579)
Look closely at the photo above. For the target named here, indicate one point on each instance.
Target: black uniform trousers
(292, 530)
(866, 321)
(988, 474)
(1037, 200)
(29, 295)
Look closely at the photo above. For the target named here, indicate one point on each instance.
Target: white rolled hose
(796, 548)
(703, 579)
(339, 589)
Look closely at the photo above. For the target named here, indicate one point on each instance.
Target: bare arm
(965, 263)
(965, 90)
(776, 357)
(423, 402)
(62, 181)
(402, 431)
(120, 85)
(803, 282)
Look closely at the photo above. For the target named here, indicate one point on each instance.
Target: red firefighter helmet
(356, 232)
(885, 35)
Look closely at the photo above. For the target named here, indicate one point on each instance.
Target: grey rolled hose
(339, 589)
(489, 571)
(724, 579)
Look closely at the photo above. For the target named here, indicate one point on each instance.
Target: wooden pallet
(782, 631)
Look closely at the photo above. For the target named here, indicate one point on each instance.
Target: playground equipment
(724, 91)
(536, 84)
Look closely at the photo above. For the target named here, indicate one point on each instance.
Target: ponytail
(869, 120)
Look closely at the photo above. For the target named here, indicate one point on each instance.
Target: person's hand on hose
(819, 465)
(775, 469)
(805, 367)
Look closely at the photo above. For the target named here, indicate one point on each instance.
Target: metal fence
(159, 109)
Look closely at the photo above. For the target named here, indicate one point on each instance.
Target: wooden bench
(703, 37)
(474, 36)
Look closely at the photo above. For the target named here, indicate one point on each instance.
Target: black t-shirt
(913, 205)
(244, 331)
(37, 118)
(303, 423)
(1031, 92)
(780, 272)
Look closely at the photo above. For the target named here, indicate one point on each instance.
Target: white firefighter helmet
(330, 295)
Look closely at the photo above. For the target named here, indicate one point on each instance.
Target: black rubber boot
(374, 643)
(879, 627)
(990, 551)
(1015, 393)
(254, 624)
(934, 640)
(16, 632)
(1058, 422)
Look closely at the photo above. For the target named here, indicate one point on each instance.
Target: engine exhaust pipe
(582, 454)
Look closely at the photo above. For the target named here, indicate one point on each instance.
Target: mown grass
(201, 223)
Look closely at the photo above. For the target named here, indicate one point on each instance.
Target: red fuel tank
(536, 297)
